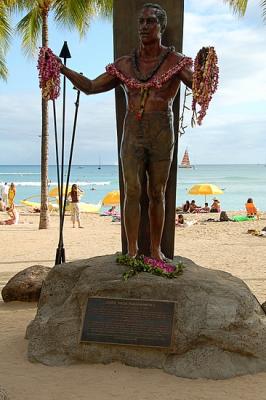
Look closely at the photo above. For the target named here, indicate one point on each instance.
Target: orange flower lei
(205, 82)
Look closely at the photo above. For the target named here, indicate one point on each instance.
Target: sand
(224, 246)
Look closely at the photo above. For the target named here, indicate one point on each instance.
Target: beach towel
(240, 218)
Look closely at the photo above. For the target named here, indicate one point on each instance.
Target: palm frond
(78, 14)
(263, 5)
(3, 67)
(5, 37)
(5, 28)
(104, 7)
(19, 5)
(30, 28)
(74, 14)
(239, 6)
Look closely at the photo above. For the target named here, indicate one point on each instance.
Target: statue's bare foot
(165, 259)
(131, 255)
(158, 255)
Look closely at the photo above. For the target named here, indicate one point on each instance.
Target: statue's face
(149, 26)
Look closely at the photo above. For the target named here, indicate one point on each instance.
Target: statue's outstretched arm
(102, 83)
(186, 76)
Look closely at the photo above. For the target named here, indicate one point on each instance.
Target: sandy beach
(225, 246)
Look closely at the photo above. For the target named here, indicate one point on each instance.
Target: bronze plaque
(128, 321)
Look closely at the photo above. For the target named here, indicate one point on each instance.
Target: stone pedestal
(219, 326)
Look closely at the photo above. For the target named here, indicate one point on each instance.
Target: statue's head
(160, 14)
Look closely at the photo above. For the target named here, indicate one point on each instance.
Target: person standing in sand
(150, 77)
(74, 197)
(11, 194)
(4, 192)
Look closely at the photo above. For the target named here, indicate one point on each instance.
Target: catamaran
(185, 163)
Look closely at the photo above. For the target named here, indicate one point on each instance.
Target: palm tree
(5, 35)
(240, 6)
(73, 14)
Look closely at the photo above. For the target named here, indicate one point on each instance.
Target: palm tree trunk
(44, 214)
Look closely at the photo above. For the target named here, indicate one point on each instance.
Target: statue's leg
(158, 175)
(133, 167)
(161, 146)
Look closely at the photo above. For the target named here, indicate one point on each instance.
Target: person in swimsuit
(11, 194)
(151, 79)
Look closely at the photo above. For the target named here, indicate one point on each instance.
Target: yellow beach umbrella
(111, 198)
(205, 189)
(54, 191)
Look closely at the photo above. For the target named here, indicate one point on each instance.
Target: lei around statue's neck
(145, 77)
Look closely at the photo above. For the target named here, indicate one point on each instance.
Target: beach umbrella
(54, 191)
(111, 198)
(205, 189)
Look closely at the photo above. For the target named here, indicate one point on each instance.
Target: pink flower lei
(205, 81)
(49, 74)
(149, 265)
(155, 82)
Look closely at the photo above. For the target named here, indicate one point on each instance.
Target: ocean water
(238, 182)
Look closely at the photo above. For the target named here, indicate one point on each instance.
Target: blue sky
(232, 132)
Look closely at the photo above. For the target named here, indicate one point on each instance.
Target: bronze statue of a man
(150, 77)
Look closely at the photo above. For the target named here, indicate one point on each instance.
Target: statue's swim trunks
(150, 139)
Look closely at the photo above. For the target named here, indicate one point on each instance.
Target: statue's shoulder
(176, 57)
(122, 63)
(120, 68)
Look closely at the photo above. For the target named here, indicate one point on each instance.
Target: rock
(219, 330)
(25, 285)
(263, 306)
(3, 394)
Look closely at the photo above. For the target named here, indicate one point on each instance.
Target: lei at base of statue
(150, 265)
(49, 74)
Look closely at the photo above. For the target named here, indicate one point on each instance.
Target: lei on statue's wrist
(205, 82)
(49, 74)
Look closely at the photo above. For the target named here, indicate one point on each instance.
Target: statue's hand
(58, 59)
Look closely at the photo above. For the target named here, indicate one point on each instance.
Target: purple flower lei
(49, 74)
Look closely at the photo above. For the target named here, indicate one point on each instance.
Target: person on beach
(2, 205)
(13, 216)
(251, 208)
(224, 217)
(205, 209)
(150, 77)
(4, 192)
(180, 221)
(74, 198)
(215, 207)
(11, 194)
(112, 210)
(193, 207)
(186, 206)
